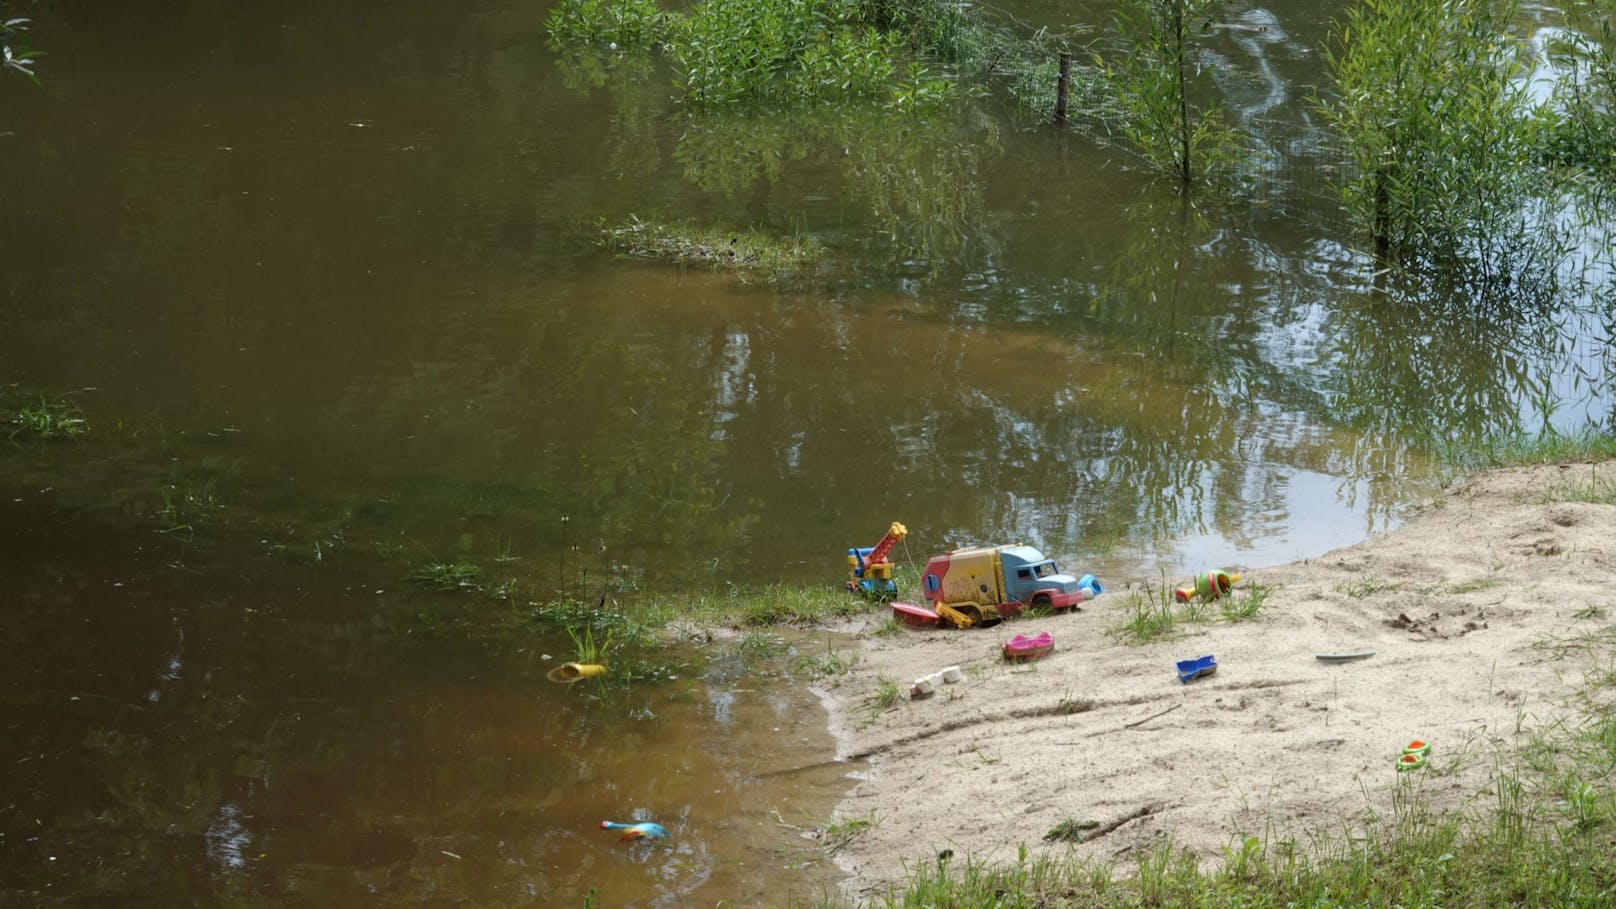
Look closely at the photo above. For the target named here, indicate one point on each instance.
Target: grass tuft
(841, 833)
(1244, 604)
(1520, 449)
(1364, 588)
(887, 694)
(1149, 614)
(44, 418)
(447, 576)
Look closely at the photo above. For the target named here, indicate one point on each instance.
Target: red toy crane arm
(895, 534)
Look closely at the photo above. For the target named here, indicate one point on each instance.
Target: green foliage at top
(1152, 82)
(15, 53)
(938, 28)
(1437, 130)
(777, 52)
(1582, 124)
(619, 24)
(736, 50)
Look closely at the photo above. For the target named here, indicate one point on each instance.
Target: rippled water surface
(324, 281)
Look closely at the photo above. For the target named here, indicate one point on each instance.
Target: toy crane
(868, 571)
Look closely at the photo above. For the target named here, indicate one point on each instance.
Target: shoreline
(1103, 736)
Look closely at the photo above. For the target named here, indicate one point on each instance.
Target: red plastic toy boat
(1021, 647)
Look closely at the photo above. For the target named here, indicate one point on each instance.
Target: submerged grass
(447, 576)
(42, 418)
(686, 244)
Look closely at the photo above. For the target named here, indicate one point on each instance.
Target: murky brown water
(183, 726)
(324, 282)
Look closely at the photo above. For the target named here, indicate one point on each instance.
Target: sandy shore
(1457, 604)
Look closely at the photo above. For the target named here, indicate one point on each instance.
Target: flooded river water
(324, 281)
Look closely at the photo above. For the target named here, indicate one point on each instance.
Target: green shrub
(1437, 128)
(847, 65)
(1151, 80)
(606, 23)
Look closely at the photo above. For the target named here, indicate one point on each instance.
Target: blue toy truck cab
(1033, 579)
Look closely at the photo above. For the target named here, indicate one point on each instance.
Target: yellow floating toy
(572, 672)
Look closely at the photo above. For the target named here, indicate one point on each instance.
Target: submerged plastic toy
(1209, 586)
(1189, 670)
(1022, 648)
(573, 672)
(643, 830)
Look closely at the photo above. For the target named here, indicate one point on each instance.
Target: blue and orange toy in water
(645, 830)
(868, 571)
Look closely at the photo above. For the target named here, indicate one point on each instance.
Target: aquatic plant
(584, 646)
(828, 663)
(807, 51)
(1437, 130)
(45, 419)
(811, 52)
(186, 502)
(15, 52)
(612, 24)
(688, 245)
(632, 628)
(1151, 78)
(447, 576)
(1580, 126)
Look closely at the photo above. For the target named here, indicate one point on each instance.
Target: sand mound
(1462, 606)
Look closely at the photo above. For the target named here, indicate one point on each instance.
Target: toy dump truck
(982, 585)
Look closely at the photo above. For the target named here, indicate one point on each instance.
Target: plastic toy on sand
(1208, 586)
(1022, 648)
(1189, 670)
(980, 586)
